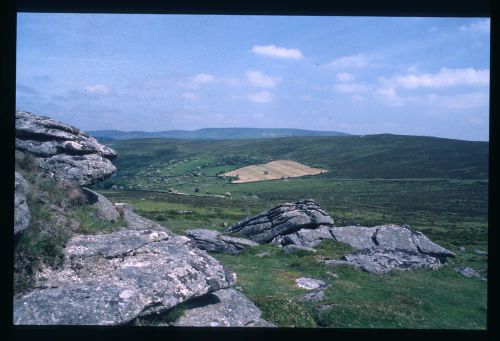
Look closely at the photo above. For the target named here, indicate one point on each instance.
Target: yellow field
(272, 170)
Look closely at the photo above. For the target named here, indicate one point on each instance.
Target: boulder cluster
(126, 276)
(63, 151)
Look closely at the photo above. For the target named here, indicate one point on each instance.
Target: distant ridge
(211, 133)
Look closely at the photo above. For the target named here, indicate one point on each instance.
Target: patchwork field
(279, 169)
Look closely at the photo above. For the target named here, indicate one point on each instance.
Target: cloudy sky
(360, 75)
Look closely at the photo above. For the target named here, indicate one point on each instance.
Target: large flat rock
(222, 308)
(110, 279)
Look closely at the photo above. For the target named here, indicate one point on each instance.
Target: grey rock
(304, 237)
(480, 252)
(296, 248)
(425, 245)
(262, 254)
(380, 261)
(388, 237)
(78, 304)
(281, 220)
(314, 296)
(462, 248)
(467, 272)
(62, 150)
(21, 209)
(356, 236)
(113, 278)
(310, 283)
(222, 308)
(104, 208)
(211, 240)
(394, 237)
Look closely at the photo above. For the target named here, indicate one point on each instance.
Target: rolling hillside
(372, 156)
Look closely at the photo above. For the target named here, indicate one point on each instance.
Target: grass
(437, 186)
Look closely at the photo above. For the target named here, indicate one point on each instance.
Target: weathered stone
(425, 245)
(314, 296)
(211, 240)
(281, 220)
(291, 248)
(63, 150)
(380, 261)
(356, 236)
(394, 237)
(79, 304)
(310, 283)
(304, 237)
(119, 276)
(467, 272)
(104, 208)
(222, 308)
(21, 209)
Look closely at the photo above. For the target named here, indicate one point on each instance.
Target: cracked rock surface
(211, 240)
(110, 279)
(222, 308)
(63, 150)
(281, 220)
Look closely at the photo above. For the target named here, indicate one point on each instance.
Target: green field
(437, 186)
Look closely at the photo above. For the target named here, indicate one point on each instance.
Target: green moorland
(437, 186)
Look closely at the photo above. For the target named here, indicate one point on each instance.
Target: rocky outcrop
(63, 150)
(304, 237)
(282, 220)
(21, 210)
(105, 210)
(385, 248)
(110, 279)
(222, 308)
(211, 240)
(389, 237)
(135, 221)
(380, 261)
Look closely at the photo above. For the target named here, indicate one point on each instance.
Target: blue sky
(360, 75)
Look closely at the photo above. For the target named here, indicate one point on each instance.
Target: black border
(386, 8)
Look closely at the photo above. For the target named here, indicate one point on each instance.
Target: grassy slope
(451, 210)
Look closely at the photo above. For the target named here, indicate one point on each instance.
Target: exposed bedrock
(211, 240)
(281, 220)
(62, 150)
(110, 279)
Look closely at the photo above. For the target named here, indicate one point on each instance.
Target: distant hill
(370, 156)
(211, 133)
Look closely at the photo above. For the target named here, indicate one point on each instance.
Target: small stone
(467, 272)
(310, 283)
(314, 296)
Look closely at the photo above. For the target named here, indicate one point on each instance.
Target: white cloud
(444, 78)
(203, 78)
(261, 97)
(190, 96)
(350, 87)
(345, 77)
(457, 102)
(275, 51)
(356, 61)
(389, 96)
(482, 26)
(261, 80)
(99, 89)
